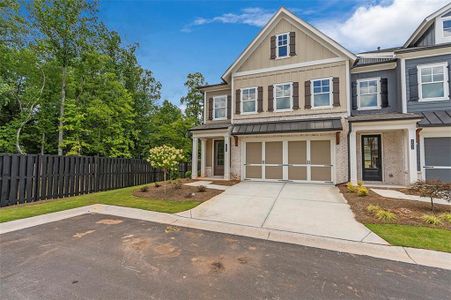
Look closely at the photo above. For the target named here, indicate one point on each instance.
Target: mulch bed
(408, 212)
(225, 182)
(177, 194)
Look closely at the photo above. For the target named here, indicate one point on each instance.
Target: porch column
(194, 158)
(412, 154)
(203, 157)
(227, 157)
(353, 156)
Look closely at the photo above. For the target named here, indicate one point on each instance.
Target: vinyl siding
(428, 38)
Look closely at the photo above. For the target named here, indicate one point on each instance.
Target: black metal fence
(28, 178)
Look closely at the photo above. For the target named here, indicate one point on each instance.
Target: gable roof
(265, 29)
(427, 22)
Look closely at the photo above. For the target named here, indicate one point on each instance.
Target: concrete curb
(403, 254)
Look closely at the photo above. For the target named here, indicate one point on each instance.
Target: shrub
(157, 184)
(177, 185)
(433, 189)
(189, 195)
(446, 217)
(431, 219)
(201, 188)
(144, 189)
(385, 215)
(372, 208)
(188, 174)
(360, 183)
(362, 191)
(351, 188)
(166, 158)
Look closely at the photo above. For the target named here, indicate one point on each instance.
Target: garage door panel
(254, 153)
(320, 153)
(439, 174)
(273, 152)
(254, 172)
(297, 152)
(320, 173)
(437, 151)
(297, 173)
(274, 172)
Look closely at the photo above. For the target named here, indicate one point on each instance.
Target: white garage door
(308, 160)
(437, 158)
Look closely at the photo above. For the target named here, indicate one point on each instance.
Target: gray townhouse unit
(297, 106)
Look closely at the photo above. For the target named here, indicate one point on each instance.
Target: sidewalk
(403, 254)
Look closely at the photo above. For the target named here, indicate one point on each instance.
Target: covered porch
(383, 152)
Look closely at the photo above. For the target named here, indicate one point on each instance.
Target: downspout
(349, 151)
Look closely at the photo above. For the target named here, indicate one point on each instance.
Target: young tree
(166, 158)
(194, 99)
(433, 189)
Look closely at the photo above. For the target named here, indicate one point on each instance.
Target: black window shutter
(210, 109)
(260, 99)
(308, 95)
(238, 101)
(336, 91)
(354, 94)
(270, 98)
(292, 43)
(449, 81)
(384, 92)
(413, 84)
(295, 95)
(273, 47)
(229, 106)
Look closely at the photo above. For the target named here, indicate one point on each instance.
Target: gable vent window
(283, 41)
(447, 28)
(321, 92)
(432, 82)
(249, 100)
(219, 107)
(368, 94)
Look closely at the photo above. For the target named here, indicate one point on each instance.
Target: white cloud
(253, 16)
(182, 107)
(384, 25)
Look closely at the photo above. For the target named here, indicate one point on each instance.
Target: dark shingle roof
(211, 126)
(383, 117)
(288, 126)
(436, 118)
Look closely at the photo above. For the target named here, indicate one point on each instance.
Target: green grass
(120, 197)
(414, 236)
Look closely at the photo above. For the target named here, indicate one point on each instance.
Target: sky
(179, 37)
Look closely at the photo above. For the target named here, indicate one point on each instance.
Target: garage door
(437, 158)
(294, 160)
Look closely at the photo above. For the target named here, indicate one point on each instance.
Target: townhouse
(297, 106)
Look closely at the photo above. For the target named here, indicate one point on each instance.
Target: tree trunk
(164, 179)
(42, 143)
(432, 204)
(19, 149)
(61, 122)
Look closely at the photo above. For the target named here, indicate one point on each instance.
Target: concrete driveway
(314, 209)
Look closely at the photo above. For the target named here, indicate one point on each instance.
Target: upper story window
(219, 107)
(433, 82)
(443, 30)
(321, 92)
(283, 41)
(447, 27)
(283, 96)
(368, 93)
(249, 100)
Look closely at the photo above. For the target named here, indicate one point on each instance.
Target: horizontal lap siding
(28, 178)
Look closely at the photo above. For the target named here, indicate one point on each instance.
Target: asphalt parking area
(99, 257)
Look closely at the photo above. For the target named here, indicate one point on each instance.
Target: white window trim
(275, 99)
(445, 82)
(277, 45)
(214, 108)
(440, 37)
(312, 95)
(378, 106)
(256, 101)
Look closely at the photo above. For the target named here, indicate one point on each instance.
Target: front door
(371, 158)
(219, 158)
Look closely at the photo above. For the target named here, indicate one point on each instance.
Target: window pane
(368, 100)
(432, 90)
(283, 51)
(283, 103)
(219, 113)
(219, 102)
(249, 106)
(426, 71)
(321, 100)
(426, 78)
(317, 89)
(447, 28)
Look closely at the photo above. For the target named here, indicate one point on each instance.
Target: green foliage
(385, 215)
(194, 99)
(188, 174)
(446, 217)
(362, 191)
(351, 188)
(431, 219)
(165, 157)
(373, 208)
(360, 183)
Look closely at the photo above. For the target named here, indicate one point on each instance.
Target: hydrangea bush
(166, 158)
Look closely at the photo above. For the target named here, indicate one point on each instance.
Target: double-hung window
(368, 93)
(283, 42)
(433, 82)
(321, 92)
(249, 100)
(446, 23)
(283, 96)
(219, 107)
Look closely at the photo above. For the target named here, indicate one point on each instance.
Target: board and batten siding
(418, 106)
(394, 92)
(428, 38)
(295, 75)
(307, 49)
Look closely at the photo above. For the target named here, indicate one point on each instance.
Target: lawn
(414, 236)
(119, 197)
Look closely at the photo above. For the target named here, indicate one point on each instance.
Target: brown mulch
(408, 212)
(177, 194)
(225, 182)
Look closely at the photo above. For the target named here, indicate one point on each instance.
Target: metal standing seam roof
(288, 126)
(435, 118)
(384, 117)
(211, 126)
